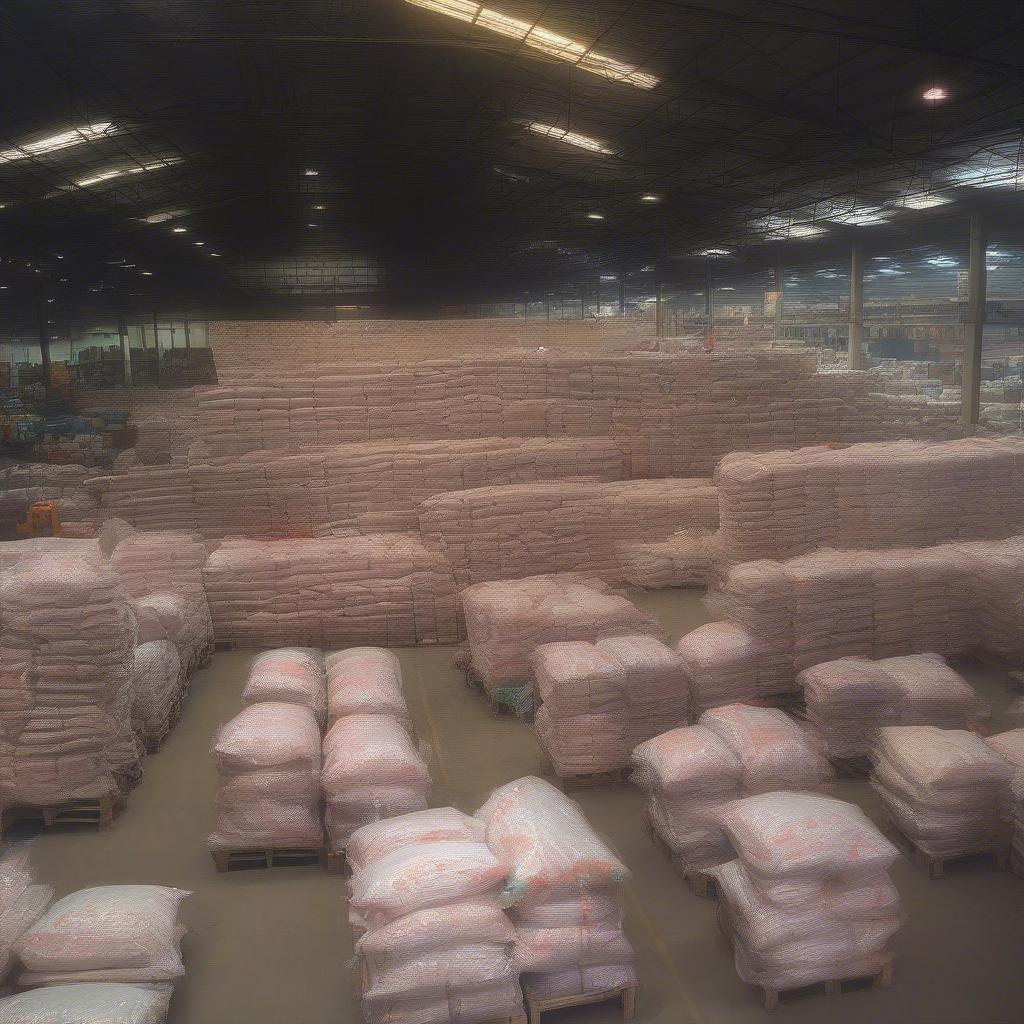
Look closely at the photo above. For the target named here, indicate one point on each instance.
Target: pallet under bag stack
(433, 945)
(565, 887)
(808, 899)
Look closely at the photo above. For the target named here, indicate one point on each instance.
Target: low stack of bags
(808, 898)
(158, 684)
(1011, 746)
(432, 942)
(372, 767)
(682, 560)
(850, 699)
(599, 700)
(22, 902)
(945, 789)
(379, 589)
(67, 634)
(507, 621)
(288, 675)
(565, 888)
(691, 774)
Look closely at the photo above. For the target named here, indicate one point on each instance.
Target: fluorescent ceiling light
(146, 273)
(214, 253)
(935, 94)
(595, 216)
(119, 172)
(55, 143)
(160, 218)
(608, 277)
(650, 198)
(713, 252)
(572, 138)
(320, 206)
(539, 38)
(310, 173)
(179, 231)
(199, 243)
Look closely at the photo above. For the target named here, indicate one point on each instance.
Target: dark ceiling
(766, 115)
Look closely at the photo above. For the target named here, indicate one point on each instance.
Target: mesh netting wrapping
(946, 789)
(268, 767)
(1011, 746)
(808, 898)
(565, 889)
(365, 681)
(67, 634)
(288, 675)
(598, 701)
(113, 933)
(157, 685)
(682, 560)
(22, 902)
(88, 1003)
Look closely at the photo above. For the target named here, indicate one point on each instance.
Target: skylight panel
(55, 143)
(570, 137)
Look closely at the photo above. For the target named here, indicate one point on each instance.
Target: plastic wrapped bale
(945, 789)
(371, 770)
(565, 888)
(268, 766)
(808, 898)
(726, 664)
(850, 699)
(22, 902)
(365, 681)
(88, 1003)
(432, 941)
(599, 700)
(288, 675)
(157, 686)
(1011, 746)
(68, 635)
(113, 933)
(507, 621)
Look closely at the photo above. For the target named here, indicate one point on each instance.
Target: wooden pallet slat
(269, 857)
(700, 882)
(934, 864)
(96, 811)
(626, 996)
(589, 780)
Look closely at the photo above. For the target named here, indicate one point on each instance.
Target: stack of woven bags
(683, 559)
(111, 953)
(372, 767)
(945, 789)
(850, 699)
(599, 700)
(158, 684)
(507, 621)
(565, 890)
(808, 897)
(432, 941)
(67, 633)
(1011, 746)
(22, 901)
(691, 774)
(268, 757)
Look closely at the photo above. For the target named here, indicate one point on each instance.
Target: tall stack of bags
(598, 701)
(22, 901)
(945, 789)
(808, 898)
(1011, 746)
(691, 774)
(68, 634)
(507, 621)
(850, 699)
(432, 942)
(565, 887)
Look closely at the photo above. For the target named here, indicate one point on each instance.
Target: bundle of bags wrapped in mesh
(1010, 745)
(808, 897)
(599, 700)
(22, 900)
(110, 953)
(507, 621)
(850, 699)
(690, 775)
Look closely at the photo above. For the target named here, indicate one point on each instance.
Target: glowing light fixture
(936, 94)
(539, 38)
(311, 173)
(650, 198)
(119, 172)
(595, 216)
(572, 138)
(146, 273)
(160, 218)
(55, 143)
(922, 202)
(199, 243)
(179, 231)
(320, 206)
(713, 252)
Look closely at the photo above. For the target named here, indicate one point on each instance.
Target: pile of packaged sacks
(565, 888)
(681, 560)
(808, 898)
(726, 664)
(22, 901)
(158, 683)
(149, 497)
(288, 675)
(945, 789)
(88, 1002)
(1011, 746)
(268, 767)
(432, 942)
(507, 621)
(67, 633)
(365, 681)
(372, 770)
(691, 774)
(850, 699)
(117, 934)
(383, 588)
(599, 700)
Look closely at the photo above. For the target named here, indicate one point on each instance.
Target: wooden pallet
(500, 707)
(97, 811)
(770, 997)
(253, 859)
(589, 780)
(934, 864)
(337, 863)
(625, 995)
(700, 882)
(154, 740)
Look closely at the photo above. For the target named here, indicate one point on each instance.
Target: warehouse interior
(511, 513)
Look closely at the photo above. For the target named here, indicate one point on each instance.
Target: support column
(126, 351)
(659, 310)
(970, 406)
(856, 343)
(44, 349)
(780, 284)
(156, 342)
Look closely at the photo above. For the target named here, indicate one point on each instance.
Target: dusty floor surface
(273, 947)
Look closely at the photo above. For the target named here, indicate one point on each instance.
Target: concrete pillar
(780, 284)
(659, 310)
(856, 345)
(126, 350)
(44, 348)
(970, 406)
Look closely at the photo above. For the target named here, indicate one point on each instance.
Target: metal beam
(970, 405)
(856, 343)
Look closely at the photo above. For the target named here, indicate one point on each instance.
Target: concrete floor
(273, 947)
